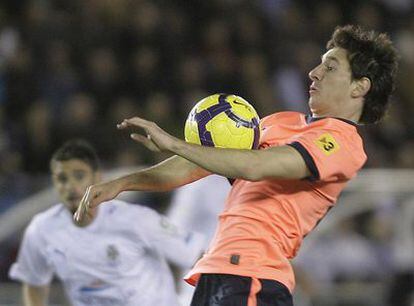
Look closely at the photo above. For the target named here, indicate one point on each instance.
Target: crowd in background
(76, 68)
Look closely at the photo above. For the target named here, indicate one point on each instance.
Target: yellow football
(223, 121)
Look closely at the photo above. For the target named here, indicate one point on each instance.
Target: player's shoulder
(343, 129)
(125, 209)
(47, 219)
(335, 136)
(333, 123)
(282, 117)
(132, 216)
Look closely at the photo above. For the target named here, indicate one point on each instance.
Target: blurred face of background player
(70, 179)
(332, 91)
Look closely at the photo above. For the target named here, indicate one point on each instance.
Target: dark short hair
(77, 149)
(371, 55)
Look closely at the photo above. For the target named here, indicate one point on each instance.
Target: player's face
(70, 179)
(331, 86)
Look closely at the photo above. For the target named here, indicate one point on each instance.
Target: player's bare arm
(35, 295)
(169, 174)
(276, 162)
(282, 162)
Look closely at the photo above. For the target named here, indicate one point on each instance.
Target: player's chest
(280, 134)
(70, 252)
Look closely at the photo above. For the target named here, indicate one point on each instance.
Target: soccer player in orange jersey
(282, 190)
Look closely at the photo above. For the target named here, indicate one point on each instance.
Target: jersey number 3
(327, 144)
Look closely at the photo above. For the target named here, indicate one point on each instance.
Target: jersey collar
(310, 119)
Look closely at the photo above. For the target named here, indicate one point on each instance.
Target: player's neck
(353, 116)
(350, 111)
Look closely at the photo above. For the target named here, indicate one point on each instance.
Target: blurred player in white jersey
(196, 207)
(117, 257)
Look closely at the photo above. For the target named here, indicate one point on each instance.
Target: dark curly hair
(77, 149)
(370, 55)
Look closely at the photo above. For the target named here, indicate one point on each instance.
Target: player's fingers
(126, 124)
(80, 212)
(139, 138)
(146, 141)
(86, 195)
(82, 215)
(133, 122)
(136, 120)
(122, 125)
(78, 216)
(83, 206)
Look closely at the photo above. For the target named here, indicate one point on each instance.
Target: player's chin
(314, 104)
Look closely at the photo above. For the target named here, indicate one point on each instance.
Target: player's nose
(316, 73)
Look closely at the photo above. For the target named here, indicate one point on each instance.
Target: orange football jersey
(264, 222)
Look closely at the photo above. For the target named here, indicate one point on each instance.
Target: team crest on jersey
(112, 253)
(327, 144)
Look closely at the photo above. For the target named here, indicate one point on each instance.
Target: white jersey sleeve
(32, 266)
(180, 246)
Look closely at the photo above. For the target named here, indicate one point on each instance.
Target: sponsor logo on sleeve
(327, 144)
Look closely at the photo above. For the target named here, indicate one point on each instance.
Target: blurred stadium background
(76, 68)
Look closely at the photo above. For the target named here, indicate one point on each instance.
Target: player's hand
(156, 139)
(95, 195)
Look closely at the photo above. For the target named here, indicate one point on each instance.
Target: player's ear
(361, 87)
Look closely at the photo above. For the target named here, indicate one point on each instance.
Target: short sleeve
(180, 246)
(31, 266)
(328, 153)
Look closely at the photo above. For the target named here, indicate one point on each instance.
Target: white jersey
(196, 207)
(120, 259)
